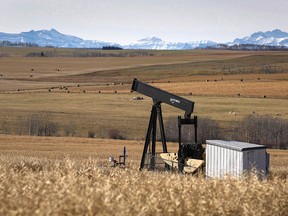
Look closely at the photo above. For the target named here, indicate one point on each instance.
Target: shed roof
(235, 145)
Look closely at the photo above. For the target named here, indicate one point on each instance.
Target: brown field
(72, 176)
(271, 89)
(26, 73)
(73, 91)
(29, 71)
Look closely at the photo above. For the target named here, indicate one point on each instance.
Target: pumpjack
(189, 158)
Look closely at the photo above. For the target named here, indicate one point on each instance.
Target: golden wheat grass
(32, 185)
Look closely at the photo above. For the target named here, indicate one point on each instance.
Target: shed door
(250, 160)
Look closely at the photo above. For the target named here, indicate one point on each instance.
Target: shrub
(91, 134)
(265, 130)
(115, 134)
(40, 124)
(70, 129)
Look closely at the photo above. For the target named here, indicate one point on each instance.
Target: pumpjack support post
(156, 113)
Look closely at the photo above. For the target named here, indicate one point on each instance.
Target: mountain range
(269, 38)
(56, 39)
(53, 38)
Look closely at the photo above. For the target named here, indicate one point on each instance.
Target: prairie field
(92, 94)
(86, 93)
(98, 113)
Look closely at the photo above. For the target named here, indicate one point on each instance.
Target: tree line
(251, 47)
(17, 44)
(264, 130)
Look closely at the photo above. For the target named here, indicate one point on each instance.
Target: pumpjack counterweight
(160, 96)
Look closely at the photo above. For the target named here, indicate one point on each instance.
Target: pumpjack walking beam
(164, 96)
(158, 97)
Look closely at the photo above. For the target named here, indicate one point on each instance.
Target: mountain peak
(270, 38)
(53, 30)
(279, 33)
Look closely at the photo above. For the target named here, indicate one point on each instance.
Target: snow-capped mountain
(56, 39)
(269, 38)
(157, 43)
(53, 38)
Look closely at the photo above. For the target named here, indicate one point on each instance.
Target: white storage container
(235, 158)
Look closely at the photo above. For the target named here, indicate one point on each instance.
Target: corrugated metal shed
(234, 158)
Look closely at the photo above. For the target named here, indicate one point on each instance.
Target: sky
(126, 21)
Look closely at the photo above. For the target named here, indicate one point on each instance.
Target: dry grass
(245, 88)
(71, 176)
(101, 112)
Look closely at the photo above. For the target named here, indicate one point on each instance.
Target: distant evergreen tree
(111, 48)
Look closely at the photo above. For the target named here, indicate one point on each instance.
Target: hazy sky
(126, 21)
